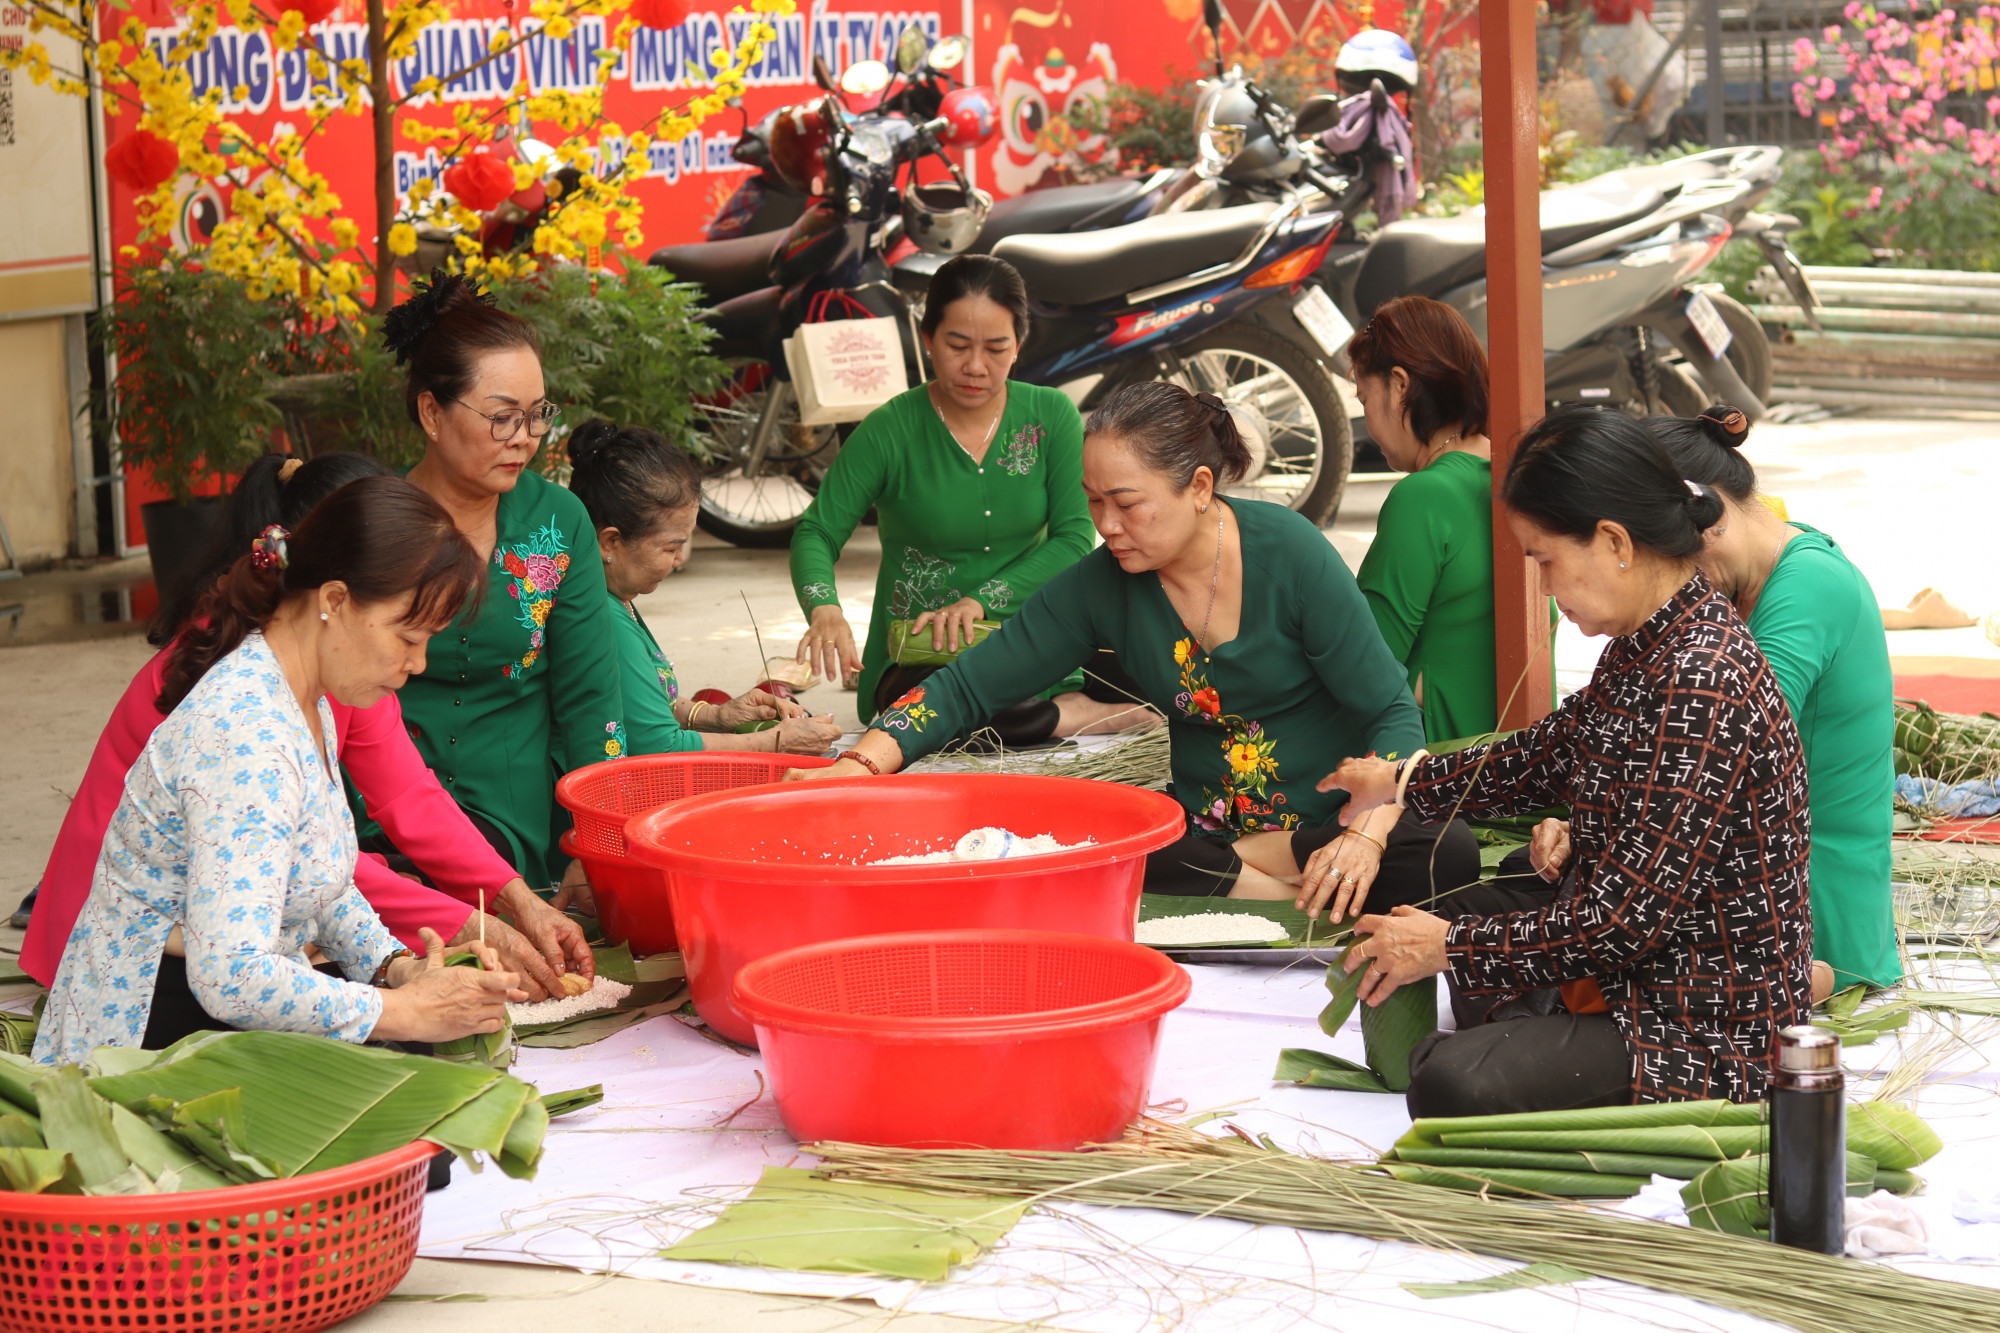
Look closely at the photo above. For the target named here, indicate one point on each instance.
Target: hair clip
(268, 551)
(1695, 488)
(289, 466)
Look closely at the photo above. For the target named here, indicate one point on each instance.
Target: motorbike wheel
(1311, 445)
(758, 511)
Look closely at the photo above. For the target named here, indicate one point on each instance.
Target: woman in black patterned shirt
(1680, 941)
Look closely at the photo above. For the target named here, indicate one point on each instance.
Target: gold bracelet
(1380, 845)
(694, 711)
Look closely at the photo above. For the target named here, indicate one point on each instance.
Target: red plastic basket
(754, 872)
(602, 797)
(988, 1038)
(631, 899)
(293, 1255)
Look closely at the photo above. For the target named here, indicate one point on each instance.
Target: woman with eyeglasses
(531, 671)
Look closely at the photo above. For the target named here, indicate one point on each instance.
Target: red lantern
(660, 13)
(315, 11)
(481, 182)
(142, 160)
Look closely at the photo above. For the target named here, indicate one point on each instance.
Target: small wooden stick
(482, 916)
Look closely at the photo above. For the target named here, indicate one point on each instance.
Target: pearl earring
(322, 615)
(1621, 564)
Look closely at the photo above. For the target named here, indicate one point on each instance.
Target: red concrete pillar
(1508, 118)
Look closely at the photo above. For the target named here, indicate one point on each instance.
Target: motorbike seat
(1086, 267)
(1430, 256)
(722, 269)
(1056, 210)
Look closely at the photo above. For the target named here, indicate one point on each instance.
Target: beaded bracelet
(862, 760)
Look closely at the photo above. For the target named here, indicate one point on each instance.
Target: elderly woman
(1428, 574)
(1815, 618)
(232, 848)
(529, 674)
(1238, 621)
(1681, 941)
(642, 494)
(975, 481)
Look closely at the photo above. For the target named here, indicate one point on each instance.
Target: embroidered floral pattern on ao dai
(231, 828)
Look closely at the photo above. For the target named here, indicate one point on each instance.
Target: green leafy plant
(629, 346)
(196, 358)
(1830, 235)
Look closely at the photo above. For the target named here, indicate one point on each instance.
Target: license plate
(1707, 321)
(1318, 315)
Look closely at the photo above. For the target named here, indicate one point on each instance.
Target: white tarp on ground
(686, 1124)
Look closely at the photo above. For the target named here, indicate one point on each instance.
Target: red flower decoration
(1243, 803)
(514, 565)
(142, 160)
(660, 13)
(1208, 701)
(481, 182)
(914, 697)
(315, 11)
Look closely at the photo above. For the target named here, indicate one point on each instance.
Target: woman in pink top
(375, 751)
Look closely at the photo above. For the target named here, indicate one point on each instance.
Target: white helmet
(944, 218)
(1374, 53)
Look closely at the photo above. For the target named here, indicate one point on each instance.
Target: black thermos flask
(1809, 1141)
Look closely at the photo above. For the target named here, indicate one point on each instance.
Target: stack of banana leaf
(1389, 1032)
(231, 1108)
(1614, 1151)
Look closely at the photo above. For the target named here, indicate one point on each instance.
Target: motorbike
(1216, 300)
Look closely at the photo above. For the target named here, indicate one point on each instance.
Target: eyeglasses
(508, 420)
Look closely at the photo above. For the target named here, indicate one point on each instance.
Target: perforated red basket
(290, 1255)
(602, 797)
(1027, 1039)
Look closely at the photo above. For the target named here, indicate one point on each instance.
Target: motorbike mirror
(948, 54)
(864, 78)
(1211, 14)
(911, 48)
(1316, 115)
(1378, 96)
(823, 73)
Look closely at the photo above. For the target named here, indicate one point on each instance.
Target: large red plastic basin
(632, 903)
(755, 871)
(964, 1038)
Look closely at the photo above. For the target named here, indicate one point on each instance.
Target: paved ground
(1915, 502)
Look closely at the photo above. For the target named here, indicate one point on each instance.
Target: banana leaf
(1897, 1182)
(562, 1103)
(493, 1050)
(161, 1157)
(482, 1123)
(1641, 1115)
(76, 1121)
(1311, 1069)
(1602, 1163)
(1734, 1196)
(588, 1029)
(214, 1127)
(20, 1131)
(1891, 1134)
(1534, 1275)
(521, 1151)
(17, 1031)
(1345, 987)
(1717, 1143)
(1498, 1180)
(794, 1220)
(1391, 1030)
(18, 1077)
(1300, 930)
(39, 1171)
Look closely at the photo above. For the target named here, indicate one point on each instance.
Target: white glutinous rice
(1210, 928)
(604, 993)
(987, 844)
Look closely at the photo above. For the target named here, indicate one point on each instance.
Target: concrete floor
(1914, 502)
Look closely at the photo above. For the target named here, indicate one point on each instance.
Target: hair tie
(268, 551)
(1729, 418)
(1212, 403)
(290, 466)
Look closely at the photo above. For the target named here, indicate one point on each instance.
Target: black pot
(177, 536)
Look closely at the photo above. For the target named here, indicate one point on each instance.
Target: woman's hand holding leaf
(433, 1002)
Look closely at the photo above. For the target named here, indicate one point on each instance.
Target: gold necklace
(991, 430)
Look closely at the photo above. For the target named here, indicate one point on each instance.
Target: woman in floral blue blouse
(232, 847)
